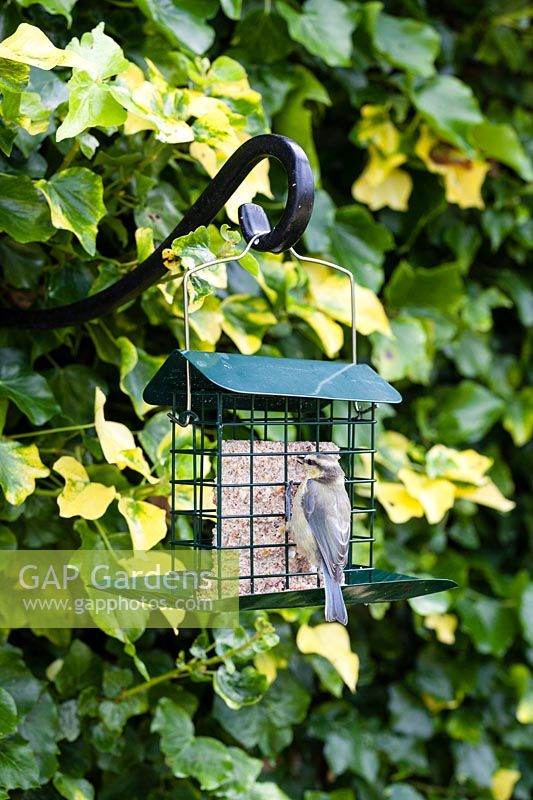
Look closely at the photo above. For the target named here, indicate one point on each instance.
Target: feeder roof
(263, 375)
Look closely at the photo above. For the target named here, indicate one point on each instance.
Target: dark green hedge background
(418, 119)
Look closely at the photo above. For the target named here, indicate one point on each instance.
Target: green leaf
(324, 27)
(240, 688)
(500, 141)
(76, 200)
(518, 416)
(24, 214)
(439, 287)
(20, 466)
(232, 8)
(90, 104)
(405, 43)
(41, 729)
(474, 762)
(296, 118)
(451, 109)
(28, 390)
(18, 768)
(491, 625)
(360, 243)
(205, 759)
(17, 679)
(73, 788)
(466, 413)
(182, 22)
(101, 53)
(8, 714)
(137, 368)
(63, 7)
(264, 37)
(408, 355)
(244, 772)
(526, 613)
(175, 728)
(402, 791)
(268, 723)
(80, 668)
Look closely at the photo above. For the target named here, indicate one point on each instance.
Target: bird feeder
(239, 423)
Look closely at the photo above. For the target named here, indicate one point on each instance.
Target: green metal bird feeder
(238, 424)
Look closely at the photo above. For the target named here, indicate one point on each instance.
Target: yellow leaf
(393, 450)
(267, 665)
(330, 293)
(29, 45)
(146, 522)
(117, 442)
(524, 710)
(444, 626)
(435, 705)
(503, 783)
(331, 640)
(207, 323)
(394, 191)
(435, 495)
(486, 495)
(463, 177)
(81, 497)
(376, 128)
(329, 332)
(466, 466)
(397, 502)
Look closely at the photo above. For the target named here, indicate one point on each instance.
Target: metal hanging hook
(282, 236)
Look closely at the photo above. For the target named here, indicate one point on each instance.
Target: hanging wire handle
(188, 416)
(346, 272)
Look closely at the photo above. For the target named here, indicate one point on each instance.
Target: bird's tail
(335, 607)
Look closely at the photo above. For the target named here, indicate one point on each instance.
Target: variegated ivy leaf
(102, 55)
(29, 45)
(81, 497)
(146, 522)
(76, 200)
(20, 466)
(332, 642)
(117, 442)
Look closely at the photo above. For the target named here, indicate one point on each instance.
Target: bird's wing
(328, 514)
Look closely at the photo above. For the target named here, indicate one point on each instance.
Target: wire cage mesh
(234, 467)
(243, 451)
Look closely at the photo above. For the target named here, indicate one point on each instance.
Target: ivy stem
(185, 670)
(103, 534)
(70, 155)
(50, 431)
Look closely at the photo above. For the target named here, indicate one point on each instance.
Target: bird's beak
(300, 459)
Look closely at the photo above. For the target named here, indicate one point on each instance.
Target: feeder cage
(238, 425)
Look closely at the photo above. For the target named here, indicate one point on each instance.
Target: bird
(321, 524)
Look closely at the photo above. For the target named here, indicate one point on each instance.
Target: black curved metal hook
(253, 220)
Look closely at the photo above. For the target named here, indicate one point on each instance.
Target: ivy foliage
(418, 122)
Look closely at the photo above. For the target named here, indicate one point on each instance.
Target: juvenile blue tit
(321, 524)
